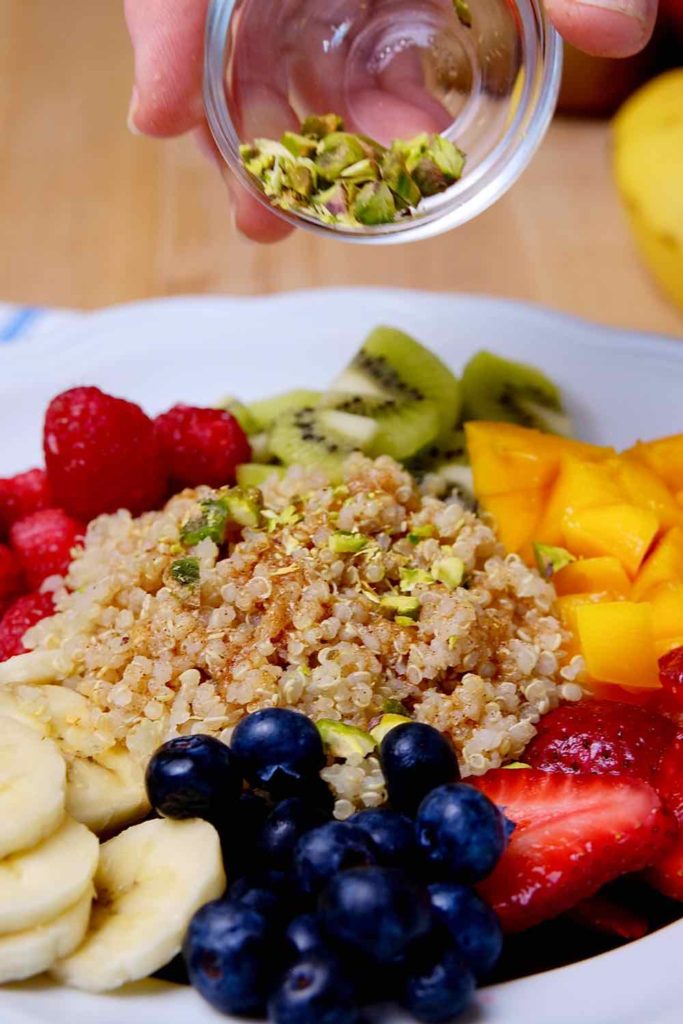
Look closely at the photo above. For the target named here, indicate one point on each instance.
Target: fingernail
(132, 111)
(629, 8)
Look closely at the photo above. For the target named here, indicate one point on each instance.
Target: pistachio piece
(386, 724)
(398, 178)
(462, 9)
(299, 177)
(396, 604)
(212, 523)
(364, 170)
(317, 126)
(394, 707)
(422, 532)
(450, 571)
(333, 202)
(410, 578)
(341, 740)
(185, 571)
(550, 559)
(343, 542)
(439, 166)
(337, 151)
(244, 505)
(299, 145)
(374, 204)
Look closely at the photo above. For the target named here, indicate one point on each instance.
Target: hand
(168, 41)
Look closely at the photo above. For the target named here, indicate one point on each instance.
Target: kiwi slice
(264, 413)
(391, 364)
(254, 474)
(403, 428)
(499, 389)
(322, 438)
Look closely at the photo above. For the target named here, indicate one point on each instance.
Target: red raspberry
(101, 454)
(23, 494)
(10, 574)
(19, 617)
(201, 446)
(671, 674)
(43, 543)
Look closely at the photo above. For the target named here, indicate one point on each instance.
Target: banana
(35, 667)
(150, 881)
(32, 951)
(39, 884)
(32, 787)
(107, 790)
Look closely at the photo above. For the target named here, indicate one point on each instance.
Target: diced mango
(580, 484)
(516, 516)
(663, 565)
(604, 575)
(679, 497)
(623, 531)
(665, 457)
(566, 608)
(508, 458)
(663, 647)
(643, 487)
(617, 642)
(667, 610)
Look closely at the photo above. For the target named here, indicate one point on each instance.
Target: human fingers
(604, 28)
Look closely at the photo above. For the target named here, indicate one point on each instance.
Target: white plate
(619, 386)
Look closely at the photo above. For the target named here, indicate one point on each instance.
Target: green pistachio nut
(341, 740)
(397, 176)
(397, 604)
(319, 125)
(211, 523)
(410, 578)
(244, 505)
(386, 724)
(462, 9)
(374, 204)
(550, 559)
(299, 145)
(343, 542)
(334, 200)
(185, 571)
(300, 178)
(364, 170)
(336, 152)
(450, 571)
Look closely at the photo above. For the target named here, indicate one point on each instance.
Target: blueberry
(393, 835)
(287, 823)
(461, 832)
(328, 849)
(239, 829)
(305, 935)
(280, 750)
(470, 923)
(314, 991)
(193, 777)
(439, 989)
(416, 758)
(377, 911)
(257, 895)
(229, 952)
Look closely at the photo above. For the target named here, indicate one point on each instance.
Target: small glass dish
(483, 73)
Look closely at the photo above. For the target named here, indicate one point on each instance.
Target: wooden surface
(90, 215)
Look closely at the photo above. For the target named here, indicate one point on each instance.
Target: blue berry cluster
(324, 917)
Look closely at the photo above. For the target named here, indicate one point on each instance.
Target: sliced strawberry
(601, 914)
(667, 874)
(601, 737)
(574, 834)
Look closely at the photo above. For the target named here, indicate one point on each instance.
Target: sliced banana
(106, 791)
(38, 884)
(34, 950)
(34, 667)
(32, 787)
(150, 881)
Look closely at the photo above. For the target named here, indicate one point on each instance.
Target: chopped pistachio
(244, 505)
(419, 533)
(550, 559)
(334, 200)
(300, 178)
(212, 523)
(185, 571)
(462, 9)
(450, 571)
(336, 152)
(394, 707)
(299, 145)
(453, 641)
(400, 605)
(374, 204)
(399, 179)
(318, 126)
(364, 170)
(341, 740)
(386, 724)
(344, 542)
(404, 620)
(412, 577)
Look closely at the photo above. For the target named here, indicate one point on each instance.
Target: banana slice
(32, 787)
(106, 791)
(150, 881)
(35, 667)
(37, 885)
(25, 954)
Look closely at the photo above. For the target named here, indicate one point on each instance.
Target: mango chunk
(618, 644)
(516, 516)
(623, 531)
(663, 565)
(508, 458)
(642, 486)
(566, 609)
(664, 456)
(667, 610)
(580, 484)
(604, 575)
(663, 647)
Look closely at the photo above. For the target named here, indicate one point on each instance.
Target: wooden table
(90, 215)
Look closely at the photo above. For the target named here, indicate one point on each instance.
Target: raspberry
(19, 617)
(101, 454)
(201, 446)
(671, 674)
(23, 494)
(43, 543)
(10, 574)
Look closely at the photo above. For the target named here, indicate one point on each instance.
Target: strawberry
(671, 674)
(573, 835)
(19, 617)
(667, 874)
(22, 494)
(43, 543)
(201, 446)
(601, 737)
(101, 454)
(601, 914)
(10, 574)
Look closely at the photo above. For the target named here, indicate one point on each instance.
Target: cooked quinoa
(278, 617)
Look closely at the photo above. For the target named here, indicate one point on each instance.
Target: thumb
(604, 28)
(168, 42)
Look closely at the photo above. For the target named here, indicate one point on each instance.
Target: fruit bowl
(633, 983)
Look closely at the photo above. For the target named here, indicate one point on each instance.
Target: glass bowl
(483, 73)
